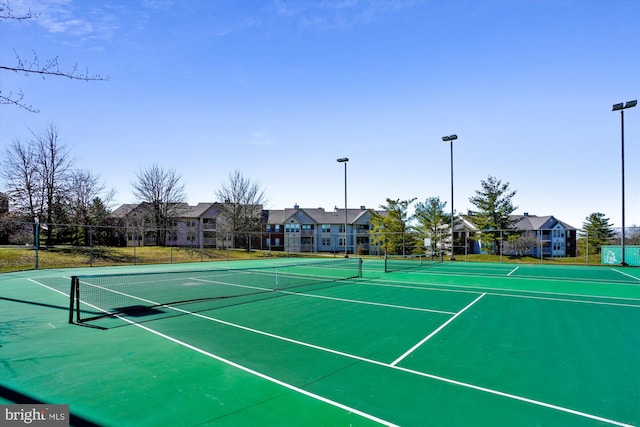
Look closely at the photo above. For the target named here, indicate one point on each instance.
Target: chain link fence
(26, 245)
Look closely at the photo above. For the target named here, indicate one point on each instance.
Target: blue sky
(280, 89)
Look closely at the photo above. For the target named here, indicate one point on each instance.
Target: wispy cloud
(82, 20)
(260, 138)
(338, 14)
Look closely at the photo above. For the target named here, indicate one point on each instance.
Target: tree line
(43, 185)
(400, 233)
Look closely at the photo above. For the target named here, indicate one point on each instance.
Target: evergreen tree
(434, 222)
(494, 207)
(597, 231)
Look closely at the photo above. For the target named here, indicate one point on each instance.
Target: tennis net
(405, 262)
(97, 296)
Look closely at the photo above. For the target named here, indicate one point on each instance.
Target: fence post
(90, 246)
(587, 246)
(36, 239)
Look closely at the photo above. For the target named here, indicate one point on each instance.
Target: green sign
(613, 255)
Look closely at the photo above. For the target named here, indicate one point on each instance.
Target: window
(307, 227)
(269, 228)
(292, 228)
(326, 241)
(326, 228)
(277, 228)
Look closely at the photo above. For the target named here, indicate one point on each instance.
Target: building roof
(195, 211)
(534, 222)
(123, 210)
(318, 215)
(521, 222)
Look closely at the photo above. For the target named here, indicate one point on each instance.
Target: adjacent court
(326, 343)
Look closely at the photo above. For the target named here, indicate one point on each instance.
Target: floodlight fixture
(343, 159)
(630, 104)
(450, 139)
(617, 107)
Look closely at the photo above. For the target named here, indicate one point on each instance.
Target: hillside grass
(19, 259)
(14, 258)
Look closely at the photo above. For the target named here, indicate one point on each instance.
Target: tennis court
(439, 344)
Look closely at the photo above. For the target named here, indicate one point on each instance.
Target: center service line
(513, 271)
(412, 349)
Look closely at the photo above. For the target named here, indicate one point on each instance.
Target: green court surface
(450, 344)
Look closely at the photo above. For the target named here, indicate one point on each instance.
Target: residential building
(316, 230)
(539, 235)
(195, 226)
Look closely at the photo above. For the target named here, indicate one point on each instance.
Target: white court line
(379, 304)
(531, 278)
(425, 339)
(442, 287)
(355, 357)
(48, 287)
(515, 397)
(626, 274)
(513, 271)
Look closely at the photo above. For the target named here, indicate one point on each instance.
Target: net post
(360, 267)
(72, 297)
(77, 299)
(385, 262)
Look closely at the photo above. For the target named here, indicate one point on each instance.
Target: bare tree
(20, 171)
(159, 190)
(54, 163)
(47, 68)
(242, 201)
(37, 173)
(87, 194)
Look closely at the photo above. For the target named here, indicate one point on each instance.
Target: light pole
(451, 138)
(345, 160)
(623, 107)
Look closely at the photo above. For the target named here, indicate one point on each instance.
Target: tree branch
(17, 102)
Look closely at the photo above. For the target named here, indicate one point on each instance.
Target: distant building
(194, 226)
(547, 236)
(316, 230)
